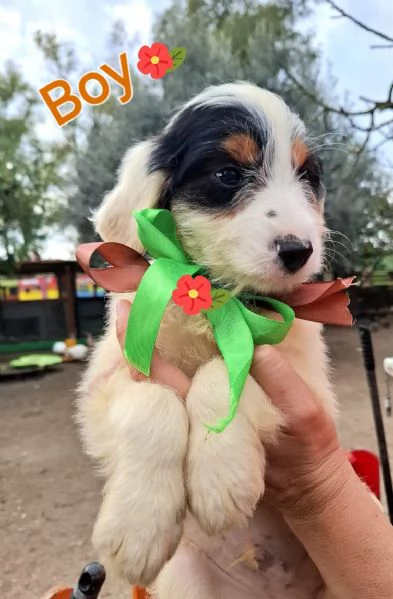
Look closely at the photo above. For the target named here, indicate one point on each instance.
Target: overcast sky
(86, 23)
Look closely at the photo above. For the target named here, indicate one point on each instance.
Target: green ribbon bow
(235, 327)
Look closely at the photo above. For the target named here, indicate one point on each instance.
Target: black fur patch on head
(211, 154)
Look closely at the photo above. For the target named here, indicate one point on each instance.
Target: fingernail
(263, 352)
(138, 376)
(265, 358)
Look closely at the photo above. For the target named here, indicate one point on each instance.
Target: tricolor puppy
(182, 508)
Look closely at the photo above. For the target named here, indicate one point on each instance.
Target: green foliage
(377, 234)
(61, 57)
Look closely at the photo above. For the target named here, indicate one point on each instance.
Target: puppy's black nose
(293, 252)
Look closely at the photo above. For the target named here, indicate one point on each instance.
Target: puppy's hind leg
(225, 471)
(141, 518)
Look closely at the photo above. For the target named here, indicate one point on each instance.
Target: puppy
(243, 182)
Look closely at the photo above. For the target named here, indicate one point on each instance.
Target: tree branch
(390, 93)
(359, 23)
(374, 127)
(376, 106)
(381, 47)
(337, 110)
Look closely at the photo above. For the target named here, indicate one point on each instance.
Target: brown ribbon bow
(322, 302)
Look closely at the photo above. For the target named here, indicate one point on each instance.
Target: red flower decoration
(154, 61)
(193, 295)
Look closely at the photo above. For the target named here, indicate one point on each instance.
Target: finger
(161, 371)
(169, 375)
(122, 312)
(283, 385)
(123, 308)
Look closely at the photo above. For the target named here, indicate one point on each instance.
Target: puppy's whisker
(336, 254)
(346, 248)
(332, 244)
(331, 232)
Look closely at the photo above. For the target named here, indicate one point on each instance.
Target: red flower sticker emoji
(155, 60)
(193, 295)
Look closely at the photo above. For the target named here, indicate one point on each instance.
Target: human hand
(311, 481)
(306, 467)
(162, 371)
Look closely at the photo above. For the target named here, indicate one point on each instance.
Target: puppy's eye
(311, 172)
(310, 176)
(305, 174)
(229, 176)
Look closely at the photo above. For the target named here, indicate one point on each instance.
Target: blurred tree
(62, 62)
(95, 142)
(372, 118)
(377, 234)
(28, 171)
(106, 144)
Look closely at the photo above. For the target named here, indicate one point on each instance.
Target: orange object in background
(366, 466)
(59, 593)
(70, 342)
(139, 593)
(66, 593)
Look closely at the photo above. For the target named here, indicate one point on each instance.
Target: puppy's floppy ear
(136, 189)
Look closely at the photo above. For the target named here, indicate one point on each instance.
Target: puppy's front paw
(141, 519)
(136, 546)
(225, 471)
(224, 486)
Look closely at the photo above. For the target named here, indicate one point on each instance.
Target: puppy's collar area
(236, 328)
(324, 302)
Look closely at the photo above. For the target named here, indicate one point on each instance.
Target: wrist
(320, 489)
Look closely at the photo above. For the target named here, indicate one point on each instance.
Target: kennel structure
(47, 301)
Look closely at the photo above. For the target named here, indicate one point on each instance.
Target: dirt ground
(48, 493)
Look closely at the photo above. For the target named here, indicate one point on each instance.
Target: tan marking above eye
(242, 148)
(300, 153)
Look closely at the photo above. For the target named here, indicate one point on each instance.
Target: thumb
(286, 389)
(123, 308)
(161, 371)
